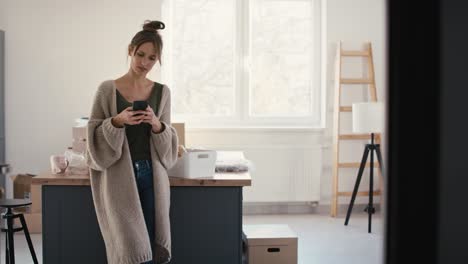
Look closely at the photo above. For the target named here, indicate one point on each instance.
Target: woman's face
(144, 58)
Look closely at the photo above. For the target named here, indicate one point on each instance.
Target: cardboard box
(36, 198)
(270, 244)
(79, 136)
(180, 128)
(33, 221)
(79, 133)
(79, 146)
(22, 189)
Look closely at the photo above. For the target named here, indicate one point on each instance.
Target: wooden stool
(10, 230)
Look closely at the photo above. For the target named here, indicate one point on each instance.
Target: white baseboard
(250, 208)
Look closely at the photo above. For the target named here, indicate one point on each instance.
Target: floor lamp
(368, 118)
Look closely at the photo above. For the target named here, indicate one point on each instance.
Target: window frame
(241, 113)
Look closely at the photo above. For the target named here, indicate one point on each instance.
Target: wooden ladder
(338, 109)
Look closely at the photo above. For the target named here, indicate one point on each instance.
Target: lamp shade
(368, 117)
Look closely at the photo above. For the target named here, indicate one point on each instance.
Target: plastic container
(195, 163)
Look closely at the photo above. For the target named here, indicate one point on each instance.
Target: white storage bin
(196, 163)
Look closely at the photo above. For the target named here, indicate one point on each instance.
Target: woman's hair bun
(153, 26)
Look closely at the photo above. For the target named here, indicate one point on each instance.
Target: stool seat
(12, 203)
(9, 217)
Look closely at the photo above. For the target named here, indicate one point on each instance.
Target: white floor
(322, 239)
(325, 240)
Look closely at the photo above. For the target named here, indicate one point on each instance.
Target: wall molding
(250, 208)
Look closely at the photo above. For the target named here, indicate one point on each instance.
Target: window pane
(203, 57)
(281, 40)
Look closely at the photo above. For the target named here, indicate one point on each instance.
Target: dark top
(14, 202)
(138, 136)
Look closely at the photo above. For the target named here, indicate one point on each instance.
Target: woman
(129, 153)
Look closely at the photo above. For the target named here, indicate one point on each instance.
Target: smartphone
(139, 105)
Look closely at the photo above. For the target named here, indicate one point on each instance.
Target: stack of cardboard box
(79, 138)
(34, 217)
(22, 189)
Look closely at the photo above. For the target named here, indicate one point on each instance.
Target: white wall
(57, 53)
(2, 16)
(352, 22)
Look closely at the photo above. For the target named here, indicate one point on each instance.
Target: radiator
(282, 173)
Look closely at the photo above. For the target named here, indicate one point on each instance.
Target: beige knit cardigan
(113, 184)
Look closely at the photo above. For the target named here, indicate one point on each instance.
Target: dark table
(206, 220)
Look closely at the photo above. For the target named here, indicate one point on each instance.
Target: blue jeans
(144, 179)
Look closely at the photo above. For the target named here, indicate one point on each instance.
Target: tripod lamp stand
(368, 118)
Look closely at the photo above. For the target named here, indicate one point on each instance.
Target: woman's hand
(152, 119)
(128, 117)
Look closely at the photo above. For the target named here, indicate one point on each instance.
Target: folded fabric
(241, 166)
(232, 161)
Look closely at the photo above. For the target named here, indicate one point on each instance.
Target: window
(244, 62)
